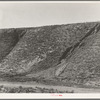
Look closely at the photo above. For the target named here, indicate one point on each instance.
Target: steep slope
(8, 39)
(42, 48)
(69, 52)
(83, 67)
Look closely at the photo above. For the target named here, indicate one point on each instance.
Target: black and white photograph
(49, 47)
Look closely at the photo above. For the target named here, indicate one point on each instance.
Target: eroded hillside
(41, 50)
(83, 66)
(8, 39)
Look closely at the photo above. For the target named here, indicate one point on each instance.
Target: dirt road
(61, 88)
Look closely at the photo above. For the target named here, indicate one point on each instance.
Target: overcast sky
(40, 14)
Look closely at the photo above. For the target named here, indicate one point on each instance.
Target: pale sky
(13, 15)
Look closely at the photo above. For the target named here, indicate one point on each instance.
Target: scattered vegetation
(8, 40)
(47, 44)
(38, 51)
(20, 89)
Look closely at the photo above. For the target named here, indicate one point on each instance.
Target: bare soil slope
(8, 39)
(60, 52)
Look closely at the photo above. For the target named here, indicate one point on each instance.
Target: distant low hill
(66, 53)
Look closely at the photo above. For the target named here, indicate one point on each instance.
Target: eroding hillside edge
(66, 53)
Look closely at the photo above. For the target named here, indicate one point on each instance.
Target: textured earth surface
(66, 53)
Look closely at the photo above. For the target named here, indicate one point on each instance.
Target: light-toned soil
(61, 88)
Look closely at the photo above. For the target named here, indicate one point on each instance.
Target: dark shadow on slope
(65, 53)
(50, 61)
(8, 39)
(95, 28)
(69, 50)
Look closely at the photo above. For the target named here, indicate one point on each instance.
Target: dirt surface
(54, 54)
(61, 88)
